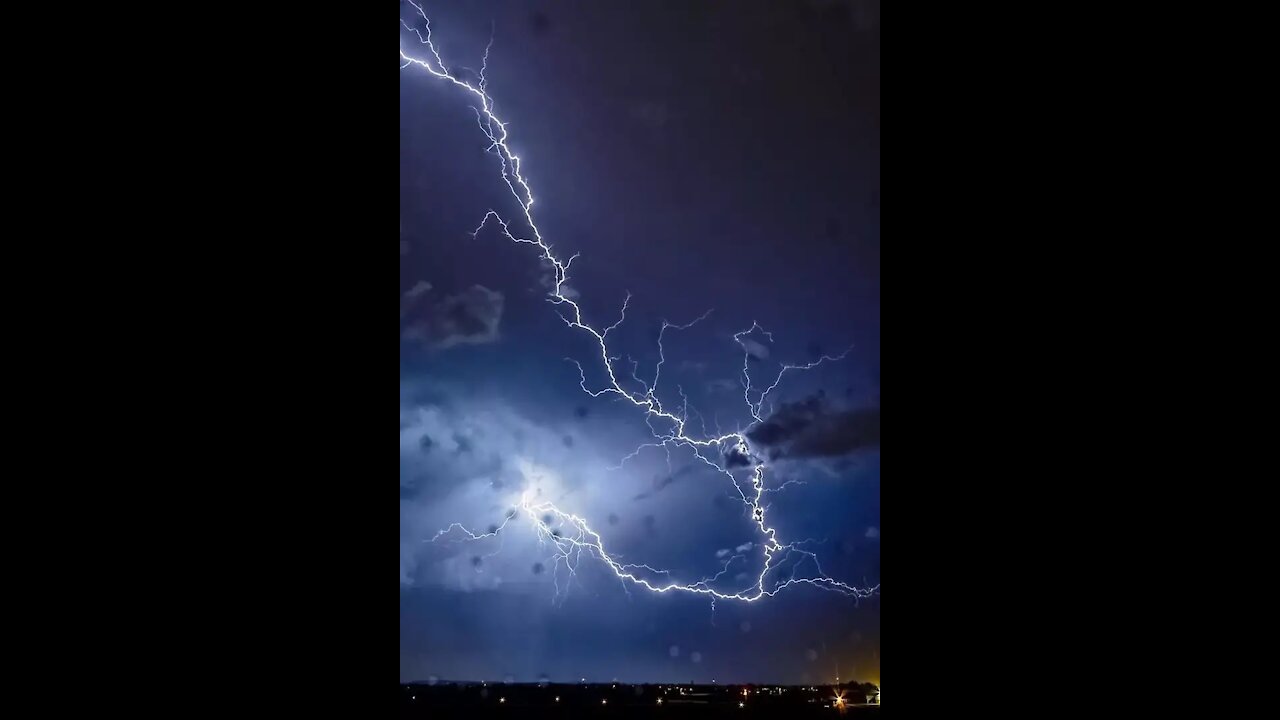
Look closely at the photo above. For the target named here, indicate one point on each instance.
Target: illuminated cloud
(754, 349)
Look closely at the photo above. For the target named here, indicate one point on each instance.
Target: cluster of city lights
(838, 700)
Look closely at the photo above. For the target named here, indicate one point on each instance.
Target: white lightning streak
(573, 537)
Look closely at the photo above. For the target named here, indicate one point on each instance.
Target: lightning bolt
(569, 536)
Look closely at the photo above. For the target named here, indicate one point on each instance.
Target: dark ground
(622, 700)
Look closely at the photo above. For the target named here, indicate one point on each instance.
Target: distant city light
(557, 698)
(742, 704)
(604, 702)
(659, 701)
(502, 700)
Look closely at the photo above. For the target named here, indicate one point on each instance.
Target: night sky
(703, 156)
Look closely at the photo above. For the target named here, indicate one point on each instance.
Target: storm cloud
(471, 317)
(812, 428)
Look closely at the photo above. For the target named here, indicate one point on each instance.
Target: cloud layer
(471, 317)
(812, 428)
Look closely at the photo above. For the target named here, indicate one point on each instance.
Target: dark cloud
(661, 482)
(613, 518)
(568, 441)
(468, 318)
(736, 459)
(424, 442)
(651, 524)
(540, 23)
(581, 412)
(812, 428)
(538, 568)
